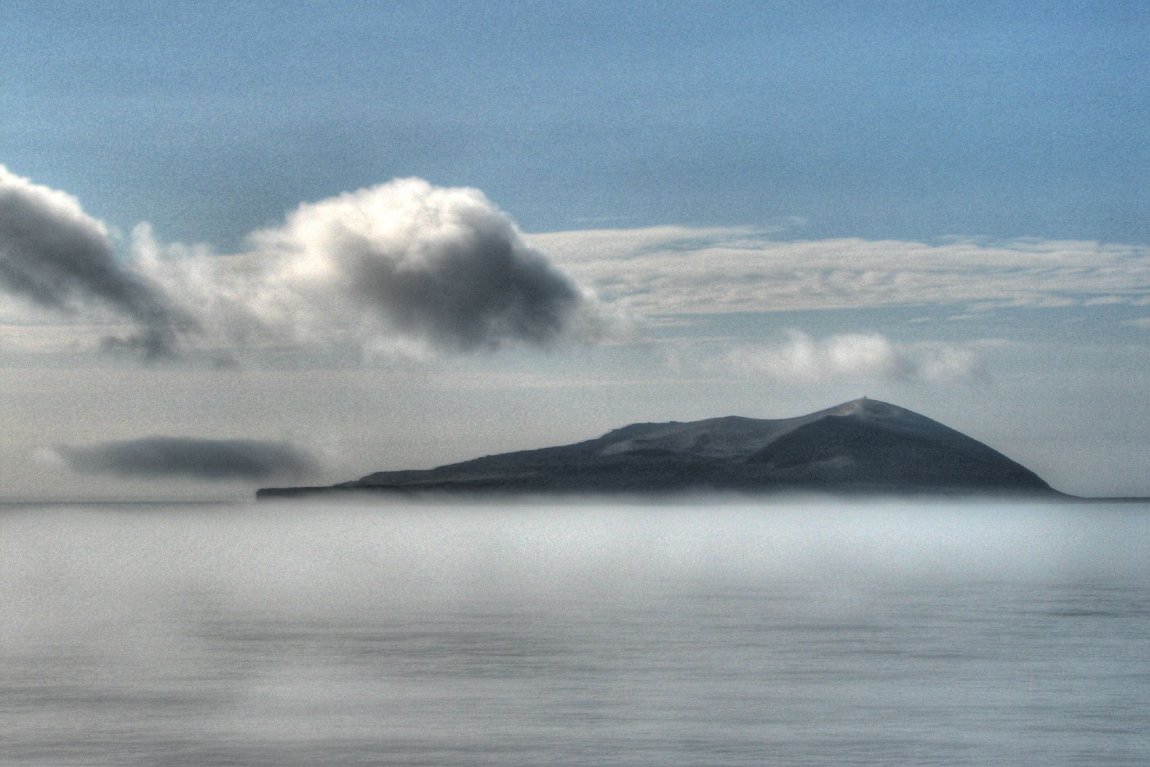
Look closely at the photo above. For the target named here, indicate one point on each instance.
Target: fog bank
(69, 570)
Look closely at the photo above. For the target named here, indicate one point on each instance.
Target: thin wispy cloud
(679, 270)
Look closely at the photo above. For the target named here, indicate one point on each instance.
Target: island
(860, 447)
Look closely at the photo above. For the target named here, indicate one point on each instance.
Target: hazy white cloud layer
(677, 270)
(55, 256)
(413, 269)
(187, 457)
(801, 358)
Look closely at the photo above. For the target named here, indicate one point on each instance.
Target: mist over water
(787, 632)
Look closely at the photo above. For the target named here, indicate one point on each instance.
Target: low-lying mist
(73, 572)
(786, 632)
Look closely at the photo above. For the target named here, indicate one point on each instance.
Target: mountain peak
(866, 405)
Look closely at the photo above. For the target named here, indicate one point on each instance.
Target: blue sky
(901, 120)
(754, 208)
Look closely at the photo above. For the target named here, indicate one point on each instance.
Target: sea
(796, 631)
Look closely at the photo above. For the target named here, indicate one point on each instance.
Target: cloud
(682, 270)
(55, 256)
(187, 457)
(442, 265)
(409, 269)
(801, 358)
(403, 266)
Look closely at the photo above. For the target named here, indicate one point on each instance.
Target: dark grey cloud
(56, 256)
(191, 458)
(479, 291)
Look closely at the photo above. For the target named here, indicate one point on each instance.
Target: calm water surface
(710, 634)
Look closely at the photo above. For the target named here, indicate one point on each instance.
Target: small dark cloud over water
(189, 457)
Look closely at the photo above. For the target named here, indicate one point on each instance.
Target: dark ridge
(859, 447)
(846, 450)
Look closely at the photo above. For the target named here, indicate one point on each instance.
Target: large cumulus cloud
(443, 266)
(57, 257)
(404, 266)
